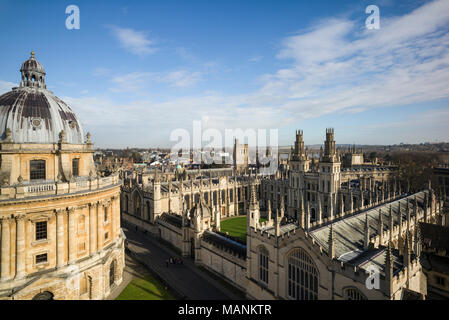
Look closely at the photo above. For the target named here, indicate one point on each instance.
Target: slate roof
(349, 231)
(225, 242)
(431, 261)
(173, 219)
(434, 236)
(411, 295)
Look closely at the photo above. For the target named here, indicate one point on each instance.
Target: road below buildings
(186, 279)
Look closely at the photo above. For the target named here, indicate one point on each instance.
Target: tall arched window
(353, 294)
(263, 265)
(302, 276)
(137, 205)
(37, 170)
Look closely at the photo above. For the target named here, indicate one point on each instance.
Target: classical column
(20, 246)
(92, 229)
(5, 249)
(60, 237)
(72, 236)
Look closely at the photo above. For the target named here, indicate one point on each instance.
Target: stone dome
(32, 114)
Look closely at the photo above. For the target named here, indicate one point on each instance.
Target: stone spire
(217, 218)
(331, 244)
(391, 223)
(269, 211)
(253, 201)
(407, 257)
(426, 204)
(415, 210)
(407, 250)
(277, 224)
(389, 268)
(169, 195)
(184, 213)
(367, 232)
(417, 248)
(282, 209)
(381, 227)
(254, 208)
(408, 215)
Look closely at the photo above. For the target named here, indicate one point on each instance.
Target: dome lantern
(33, 74)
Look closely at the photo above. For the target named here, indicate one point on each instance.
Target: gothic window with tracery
(302, 276)
(353, 294)
(263, 265)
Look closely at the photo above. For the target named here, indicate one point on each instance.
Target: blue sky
(136, 70)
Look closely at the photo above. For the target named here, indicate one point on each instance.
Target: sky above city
(135, 71)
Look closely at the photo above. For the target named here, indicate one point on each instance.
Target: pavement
(185, 280)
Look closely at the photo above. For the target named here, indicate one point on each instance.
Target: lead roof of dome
(34, 114)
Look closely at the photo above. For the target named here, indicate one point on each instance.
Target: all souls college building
(60, 221)
(326, 228)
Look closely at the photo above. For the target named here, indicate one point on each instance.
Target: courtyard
(236, 226)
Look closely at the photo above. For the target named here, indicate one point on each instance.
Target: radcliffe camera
(230, 156)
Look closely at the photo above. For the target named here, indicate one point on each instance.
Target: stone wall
(225, 264)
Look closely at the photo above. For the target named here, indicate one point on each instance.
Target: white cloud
(138, 82)
(136, 42)
(182, 78)
(256, 58)
(101, 72)
(131, 82)
(6, 86)
(336, 67)
(333, 67)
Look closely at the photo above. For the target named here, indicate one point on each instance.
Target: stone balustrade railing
(28, 190)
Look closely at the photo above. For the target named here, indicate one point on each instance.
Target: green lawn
(236, 227)
(145, 289)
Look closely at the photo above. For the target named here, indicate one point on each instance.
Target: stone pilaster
(5, 265)
(109, 210)
(60, 238)
(72, 236)
(116, 214)
(92, 228)
(20, 246)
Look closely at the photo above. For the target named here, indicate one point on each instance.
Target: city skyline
(138, 71)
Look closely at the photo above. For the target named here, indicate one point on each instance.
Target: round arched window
(44, 296)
